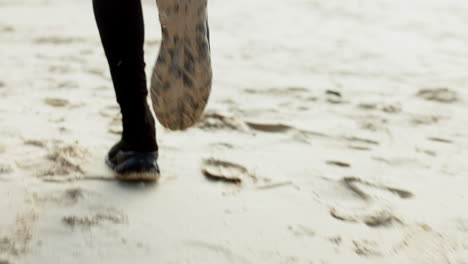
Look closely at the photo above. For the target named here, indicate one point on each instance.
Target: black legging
(121, 27)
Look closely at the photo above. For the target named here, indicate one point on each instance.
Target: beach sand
(338, 129)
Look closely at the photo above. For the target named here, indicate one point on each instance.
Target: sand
(335, 133)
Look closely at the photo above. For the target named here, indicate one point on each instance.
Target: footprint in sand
(301, 135)
(442, 95)
(66, 161)
(56, 102)
(68, 197)
(358, 143)
(106, 216)
(272, 128)
(354, 200)
(218, 170)
(17, 242)
(225, 171)
(215, 121)
(63, 162)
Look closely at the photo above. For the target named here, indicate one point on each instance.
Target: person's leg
(121, 28)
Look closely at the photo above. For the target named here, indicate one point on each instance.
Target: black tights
(121, 27)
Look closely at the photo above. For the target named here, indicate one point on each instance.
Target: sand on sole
(182, 75)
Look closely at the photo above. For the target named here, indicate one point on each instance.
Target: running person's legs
(181, 79)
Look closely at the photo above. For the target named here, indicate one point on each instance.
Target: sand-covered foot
(181, 79)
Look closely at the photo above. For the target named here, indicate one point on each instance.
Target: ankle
(139, 131)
